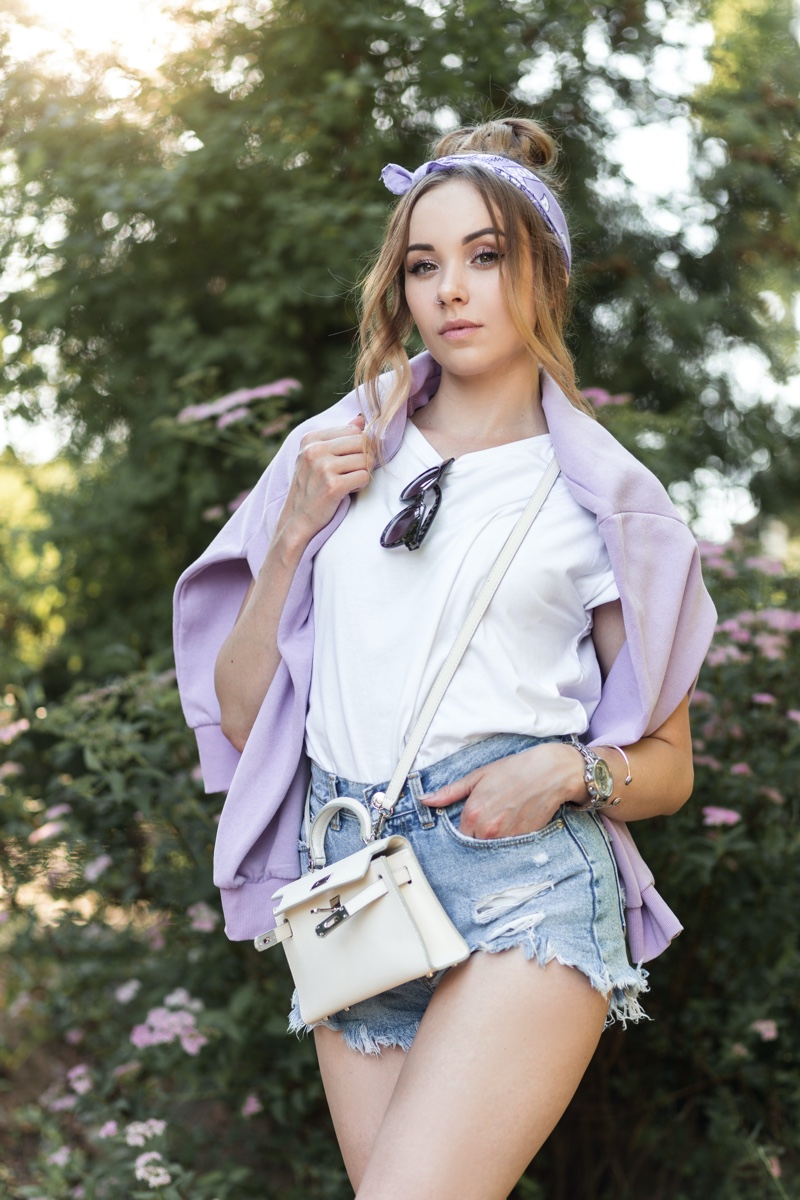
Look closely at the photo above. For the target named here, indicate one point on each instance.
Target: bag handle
(316, 840)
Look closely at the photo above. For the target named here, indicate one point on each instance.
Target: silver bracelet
(619, 750)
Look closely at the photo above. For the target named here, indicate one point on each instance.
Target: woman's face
(453, 286)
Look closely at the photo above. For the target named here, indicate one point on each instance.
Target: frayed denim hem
(356, 1034)
(622, 992)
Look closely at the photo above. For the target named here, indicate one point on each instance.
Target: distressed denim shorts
(556, 892)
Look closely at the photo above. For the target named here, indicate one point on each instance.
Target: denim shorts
(556, 893)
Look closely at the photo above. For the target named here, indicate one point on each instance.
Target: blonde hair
(386, 321)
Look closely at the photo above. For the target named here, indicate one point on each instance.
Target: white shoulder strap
(482, 601)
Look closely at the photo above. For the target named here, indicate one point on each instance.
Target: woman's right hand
(331, 464)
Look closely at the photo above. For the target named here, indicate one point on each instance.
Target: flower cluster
(203, 917)
(149, 1169)
(139, 1132)
(173, 1021)
(234, 407)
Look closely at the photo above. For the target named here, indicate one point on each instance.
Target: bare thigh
(358, 1088)
(498, 1056)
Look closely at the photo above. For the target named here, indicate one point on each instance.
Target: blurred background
(189, 192)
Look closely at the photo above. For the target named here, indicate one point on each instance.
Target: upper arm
(608, 634)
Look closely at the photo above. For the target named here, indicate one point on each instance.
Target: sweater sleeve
(208, 597)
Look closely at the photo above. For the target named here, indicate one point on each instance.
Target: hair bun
(525, 141)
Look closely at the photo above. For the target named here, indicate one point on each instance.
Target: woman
(449, 1087)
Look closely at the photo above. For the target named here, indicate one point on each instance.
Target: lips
(454, 326)
(457, 330)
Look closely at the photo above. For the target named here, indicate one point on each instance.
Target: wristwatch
(598, 778)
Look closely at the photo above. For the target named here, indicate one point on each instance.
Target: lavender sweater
(669, 620)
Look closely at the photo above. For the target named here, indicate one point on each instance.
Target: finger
(351, 431)
(450, 793)
(360, 421)
(343, 464)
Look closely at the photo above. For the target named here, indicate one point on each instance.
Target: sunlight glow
(139, 32)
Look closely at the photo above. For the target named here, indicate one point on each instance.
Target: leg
(358, 1088)
(500, 1052)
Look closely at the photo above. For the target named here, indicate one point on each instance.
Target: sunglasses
(424, 496)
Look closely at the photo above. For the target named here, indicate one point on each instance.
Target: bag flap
(336, 876)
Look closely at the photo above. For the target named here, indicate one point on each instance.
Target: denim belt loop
(427, 816)
(333, 794)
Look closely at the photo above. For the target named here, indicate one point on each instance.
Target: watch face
(602, 779)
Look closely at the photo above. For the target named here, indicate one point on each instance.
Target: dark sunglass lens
(417, 486)
(400, 527)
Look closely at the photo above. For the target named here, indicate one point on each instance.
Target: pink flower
(239, 500)
(126, 991)
(49, 830)
(196, 774)
(713, 815)
(794, 714)
(767, 566)
(165, 1025)
(74, 1037)
(774, 1165)
(599, 397)
(772, 794)
(766, 1030)
(11, 731)
(78, 1078)
(762, 698)
(148, 1169)
(231, 417)
(237, 399)
(701, 699)
(109, 1130)
(771, 645)
(57, 810)
(741, 769)
(718, 656)
(781, 619)
(9, 768)
(139, 1132)
(61, 1157)
(203, 917)
(94, 869)
(276, 426)
(707, 760)
(252, 1105)
(154, 936)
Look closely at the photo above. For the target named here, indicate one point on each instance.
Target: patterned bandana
(399, 180)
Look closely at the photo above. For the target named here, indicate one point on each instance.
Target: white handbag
(371, 921)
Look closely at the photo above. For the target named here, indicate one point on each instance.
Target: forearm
(249, 657)
(662, 777)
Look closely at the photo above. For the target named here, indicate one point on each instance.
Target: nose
(452, 286)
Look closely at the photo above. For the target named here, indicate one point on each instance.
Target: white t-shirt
(386, 619)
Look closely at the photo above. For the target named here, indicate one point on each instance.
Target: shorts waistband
(328, 785)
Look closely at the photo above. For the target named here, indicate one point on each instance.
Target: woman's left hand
(515, 795)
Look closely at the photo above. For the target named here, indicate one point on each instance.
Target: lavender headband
(399, 180)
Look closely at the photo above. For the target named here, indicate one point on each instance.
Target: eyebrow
(471, 237)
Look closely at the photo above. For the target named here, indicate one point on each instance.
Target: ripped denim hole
(489, 908)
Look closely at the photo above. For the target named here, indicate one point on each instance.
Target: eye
(423, 267)
(487, 257)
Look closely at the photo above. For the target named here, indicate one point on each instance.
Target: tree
(205, 232)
